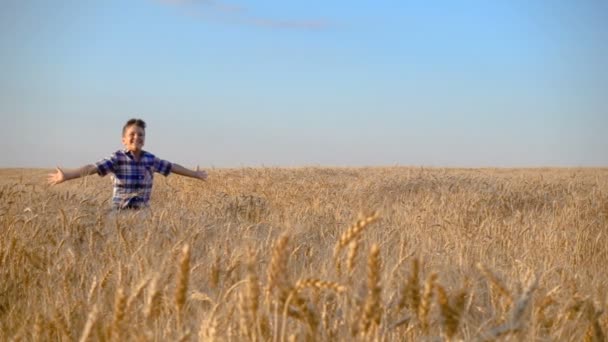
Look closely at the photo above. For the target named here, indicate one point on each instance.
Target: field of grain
(309, 254)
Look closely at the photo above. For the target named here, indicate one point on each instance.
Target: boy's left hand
(201, 174)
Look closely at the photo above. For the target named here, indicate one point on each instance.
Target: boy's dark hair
(137, 122)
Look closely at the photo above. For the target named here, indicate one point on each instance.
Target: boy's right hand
(57, 177)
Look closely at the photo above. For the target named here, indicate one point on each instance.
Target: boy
(132, 169)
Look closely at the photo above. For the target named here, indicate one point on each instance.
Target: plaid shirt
(132, 179)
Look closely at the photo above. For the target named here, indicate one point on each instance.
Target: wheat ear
(119, 314)
(352, 233)
(372, 311)
(183, 278)
(425, 303)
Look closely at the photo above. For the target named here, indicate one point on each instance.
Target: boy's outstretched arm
(182, 171)
(60, 176)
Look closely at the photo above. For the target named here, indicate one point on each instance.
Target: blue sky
(292, 83)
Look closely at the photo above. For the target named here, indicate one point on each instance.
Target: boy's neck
(136, 154)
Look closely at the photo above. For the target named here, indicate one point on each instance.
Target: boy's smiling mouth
(136, 144)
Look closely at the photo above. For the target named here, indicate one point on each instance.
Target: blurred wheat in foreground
(309, 254)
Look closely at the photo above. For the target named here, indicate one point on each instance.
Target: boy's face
(134, 138)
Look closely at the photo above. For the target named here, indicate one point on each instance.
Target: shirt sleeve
(162, 166)
(106, 165)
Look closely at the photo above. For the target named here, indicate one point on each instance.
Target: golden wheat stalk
(105, 278)
(318, 284)
(138, 290)
(208, 330)
(91, 320)
(92, 290)
(182, 280)
(496, 283)
(450, 313)
(62, 325)
(544, 303)
(371, 315)
(425, 303)
(253, 287)
(353, 251)
(277, 271)
(353, 231)
(37, 331)
(515, 322)
(119, 314)
(301, 310)
(249, 301)
(594, 332)
(410, 296)
(152, 308)
(214, 272)
(524, 300)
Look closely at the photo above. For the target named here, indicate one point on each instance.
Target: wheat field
(309, 254)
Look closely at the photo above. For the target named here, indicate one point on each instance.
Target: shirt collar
(130, 154)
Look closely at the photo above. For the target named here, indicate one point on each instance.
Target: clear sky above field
(289, 83)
